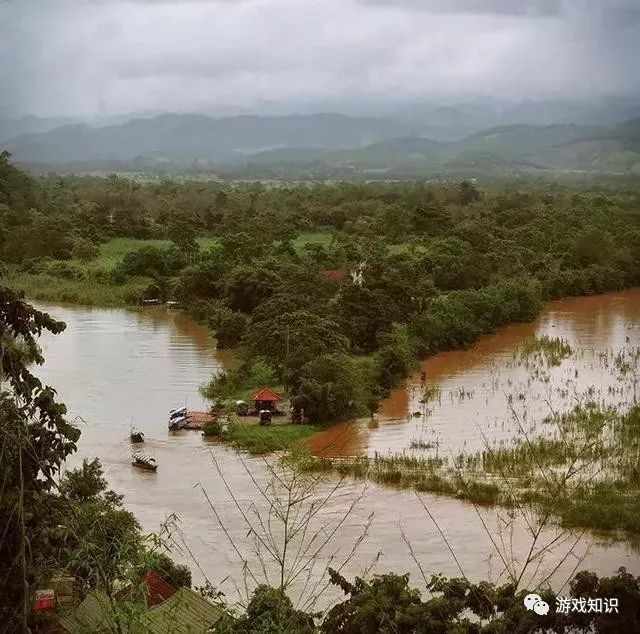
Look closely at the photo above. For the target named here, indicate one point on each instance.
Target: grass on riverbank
(87, 292)
(89, 283)
(259, 440)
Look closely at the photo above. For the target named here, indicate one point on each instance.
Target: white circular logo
(541, 608)
(534, 602)
(530, 600)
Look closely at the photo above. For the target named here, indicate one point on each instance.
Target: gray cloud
(496, 7)
(70, 57)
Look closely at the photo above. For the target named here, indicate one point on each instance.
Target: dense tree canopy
(295, 273)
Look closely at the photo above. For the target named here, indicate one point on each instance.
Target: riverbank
(89, 290)
(260, 440)
(498, 424)
(612, 505)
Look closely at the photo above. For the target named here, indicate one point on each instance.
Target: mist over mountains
(599, 137)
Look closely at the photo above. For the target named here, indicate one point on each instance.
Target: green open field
(114, 250)
(321, 238)
(88, 283)
(260, 440)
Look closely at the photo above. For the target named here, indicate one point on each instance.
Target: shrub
(332, 387)
(212, 428)
(85, 250)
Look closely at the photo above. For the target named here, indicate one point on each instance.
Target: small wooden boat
(136, 435)
(142, 461)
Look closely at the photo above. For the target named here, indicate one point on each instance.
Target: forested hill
(328, 144)
(199, 137)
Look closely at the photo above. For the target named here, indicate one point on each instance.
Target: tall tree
(36, 439)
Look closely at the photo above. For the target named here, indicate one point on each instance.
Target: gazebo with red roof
(265, 399)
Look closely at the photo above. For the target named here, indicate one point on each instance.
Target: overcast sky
(84, 57)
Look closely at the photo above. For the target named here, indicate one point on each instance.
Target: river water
(117, 367)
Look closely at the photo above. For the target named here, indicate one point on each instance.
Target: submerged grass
(605, 507)
(407, 472)
(555, 475)
(552, 349)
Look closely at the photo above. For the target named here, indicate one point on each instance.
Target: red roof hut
(337, 275)
(265, 399)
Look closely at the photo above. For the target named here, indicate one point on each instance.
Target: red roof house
(337, 275)
(265, 399)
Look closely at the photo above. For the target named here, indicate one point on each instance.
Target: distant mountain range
(198, 137)
(378, 144)
(11, 127)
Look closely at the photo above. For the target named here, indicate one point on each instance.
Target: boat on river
(180, 422)
(178, 418)
(142, 461)
(135, 435)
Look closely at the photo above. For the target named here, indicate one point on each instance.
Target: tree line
(440, 264)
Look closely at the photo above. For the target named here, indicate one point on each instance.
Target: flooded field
(471, 403)
(116, 367)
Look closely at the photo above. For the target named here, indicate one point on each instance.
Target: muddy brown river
(116, 367)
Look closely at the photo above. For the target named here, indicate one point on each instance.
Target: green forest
(334, 291)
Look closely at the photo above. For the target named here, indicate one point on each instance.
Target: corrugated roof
(265, 394)
(186, 612)
(94, 614)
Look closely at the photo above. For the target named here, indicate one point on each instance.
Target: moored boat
(178, 417)
(142, 461)
(178, 422)
(136, 435)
